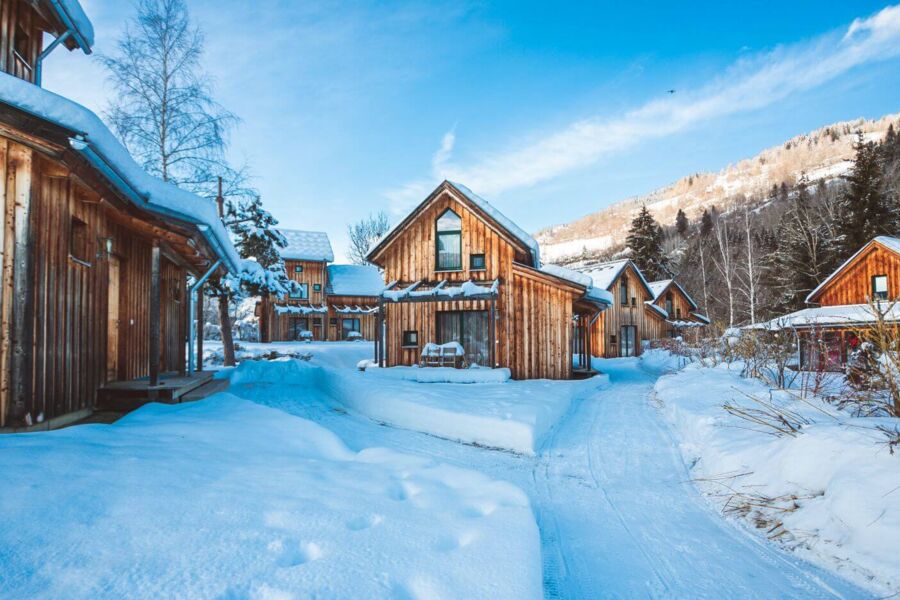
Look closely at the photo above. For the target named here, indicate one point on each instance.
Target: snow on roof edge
(889, 242)
(306, 245)
(72, 14)
(95, 142)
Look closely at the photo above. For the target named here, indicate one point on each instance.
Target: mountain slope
(822, 154)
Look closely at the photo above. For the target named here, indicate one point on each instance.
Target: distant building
(673, 311)
(334, 302)
(847, 300)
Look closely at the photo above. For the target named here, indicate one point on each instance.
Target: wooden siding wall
(366, 321)
(313, 273)
(657, 328)
(68, 298)
(533, 315)
(617, 315)
(19, 14)
(854, 285)
(411, 257)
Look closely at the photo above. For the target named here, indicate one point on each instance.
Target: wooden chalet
(844, 306)
(623, 329)
(94, 253)
(460, 271)
(672, 311)
(333, 302)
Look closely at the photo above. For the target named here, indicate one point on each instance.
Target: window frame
(483, 266)
(410, 338)
(876, 295)
(298, 268)
(623, 290)
(438, 234)
(303, 294)
(79, 241)
(670, 303)
(317, 287)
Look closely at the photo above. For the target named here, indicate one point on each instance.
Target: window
(78, 241)
(669, 304)
(678, 313)
(317, 321)
(448, 241)
(633, 301)
(880, 287)
(623, 291)
(476, 262)
(301, 292)
(410, 339)
(332, 321)
(317, 287)
(348, 326)
(469, 328)
(22, 48)
(298, 269)
(612, 339)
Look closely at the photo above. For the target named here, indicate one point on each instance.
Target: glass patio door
(470, 329)
(627, 338)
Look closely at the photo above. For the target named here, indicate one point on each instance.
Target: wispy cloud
(752, 83)
(404, 197)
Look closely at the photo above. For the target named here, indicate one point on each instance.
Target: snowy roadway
(617, 514)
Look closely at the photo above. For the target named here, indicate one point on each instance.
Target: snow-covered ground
(228, 498)
(831, 493)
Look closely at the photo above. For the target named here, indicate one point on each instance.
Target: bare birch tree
(725, 263)
(364, 233)
(164, 112)
(749, 271)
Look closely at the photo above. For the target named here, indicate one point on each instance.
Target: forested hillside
(824, 154)
(749, 258)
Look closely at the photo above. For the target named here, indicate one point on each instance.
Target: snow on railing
(299, 310)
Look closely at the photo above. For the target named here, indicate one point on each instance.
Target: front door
(112, 321)
(470, 329)
(627, 337)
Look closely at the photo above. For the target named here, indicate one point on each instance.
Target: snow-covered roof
(658, 287)
(592, 292)
(306, 245)
(657, 309)
(605, 274)
(486, 207)
(516, 231)
(891, 243)
(846, 315)
(74, 18)
(93, 140)
(354, 280)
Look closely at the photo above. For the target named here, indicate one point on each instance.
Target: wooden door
(112, 321)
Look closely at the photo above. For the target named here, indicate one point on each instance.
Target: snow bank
(659, 360)
(515, 415)
(446, 375)
(846, 482)
(333, 354)
(227, 498)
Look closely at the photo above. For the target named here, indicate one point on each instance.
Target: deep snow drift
(227, 498)
(514, 415)
(835, 487)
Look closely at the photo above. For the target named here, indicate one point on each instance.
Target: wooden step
(206, 390)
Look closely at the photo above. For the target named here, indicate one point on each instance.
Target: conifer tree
(645, 241)
(706, 223)
(865, 211)
(681, 223)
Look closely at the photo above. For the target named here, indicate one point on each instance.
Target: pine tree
(255, 237)
(681, 223)
(805, 252)
(645, 241)
(865, 211)
(706, 223)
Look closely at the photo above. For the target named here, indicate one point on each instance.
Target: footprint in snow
(293, 553)
(364, 522)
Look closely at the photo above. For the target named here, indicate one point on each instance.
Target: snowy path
(618, 516)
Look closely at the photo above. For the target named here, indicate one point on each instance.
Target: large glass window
(669, 304)
(449, 241)
(302, 292)
(348, 325)
(880, 287)
(470, 329)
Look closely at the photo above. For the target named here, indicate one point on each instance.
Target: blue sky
(551, 113)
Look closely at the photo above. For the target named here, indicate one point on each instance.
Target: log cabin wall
(366, 321)
(281, 328)
(21, 38)
(67, 291)
(607, 329)
(312, 274)
(854, 284)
